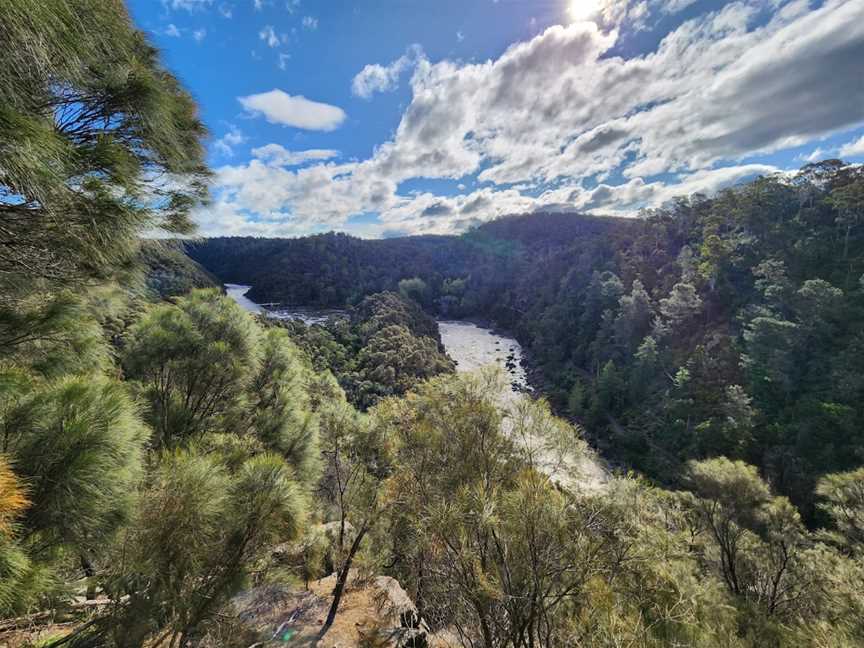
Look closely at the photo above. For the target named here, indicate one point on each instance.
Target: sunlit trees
(757, 542)
(199, 526)
(385, 348)
(282, 404)
(842, 496)
(357, 468)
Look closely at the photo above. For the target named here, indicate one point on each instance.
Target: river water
(473, 347)
(237, 292)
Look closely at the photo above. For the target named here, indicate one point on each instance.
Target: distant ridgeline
(334, 270)
(729, 325)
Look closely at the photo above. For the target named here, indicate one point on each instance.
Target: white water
(473, 347)
(238, 292)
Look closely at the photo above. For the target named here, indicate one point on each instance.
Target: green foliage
(89, 117)
(280, 410)
(386, 347)
(194, 359)
(169, 272)
(415, 289)
(78, 443)
(842, 497)
(199, 527)
(53, 335)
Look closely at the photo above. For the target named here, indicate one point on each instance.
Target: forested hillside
(170, 272)
(385, 347)
(176, 472)
(716, 326)
(331, 270)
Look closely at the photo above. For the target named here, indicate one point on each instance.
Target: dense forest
(728, 325)
(385, 346)
(173, 468)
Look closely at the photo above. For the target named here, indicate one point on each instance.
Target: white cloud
(460, 36)
(187, 5)
(384, 78)
(225, 144)
(853, 149)
(817, 154)
(171, 30)
(310, 22)
(269, 36)
(199, 34)
(555, 121)
(283, 61)
(226, 10)
(258, 4)
(279, 107)
(277, 155)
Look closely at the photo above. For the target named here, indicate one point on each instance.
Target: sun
(583, 10)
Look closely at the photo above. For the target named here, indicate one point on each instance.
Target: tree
(200, 526)
(280, 410)
(842, 496)
(194, 360)
(681, 304)
(763, 551)
(415, 289)
(79, 444)
(848, 200)
(98, 142)
(394, 360)
(634, 317)
(357, 467)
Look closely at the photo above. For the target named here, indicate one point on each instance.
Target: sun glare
(583, 10)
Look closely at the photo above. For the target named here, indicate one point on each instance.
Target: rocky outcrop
(376, 611)
(394, 603)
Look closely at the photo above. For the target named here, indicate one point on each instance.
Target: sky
(393, 117)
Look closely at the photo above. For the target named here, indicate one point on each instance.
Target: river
(473, 347)
(237, 292)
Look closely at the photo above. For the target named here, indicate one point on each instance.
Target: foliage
(89, 120)
(169, 272)
(194, 359)
(385, 347)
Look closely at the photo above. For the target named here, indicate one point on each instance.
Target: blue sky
(391, 117)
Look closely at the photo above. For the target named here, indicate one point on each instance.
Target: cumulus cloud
(199, 34)
(853, 149)
(310, 22)
(225, 144)
(278, 107)
(171, 30)
(278, 155)
(385, 78)
(558, 121)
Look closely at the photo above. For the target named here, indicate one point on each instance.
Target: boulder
(395, 604)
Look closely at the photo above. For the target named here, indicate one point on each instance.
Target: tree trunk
(342, 579)
(90, 573)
